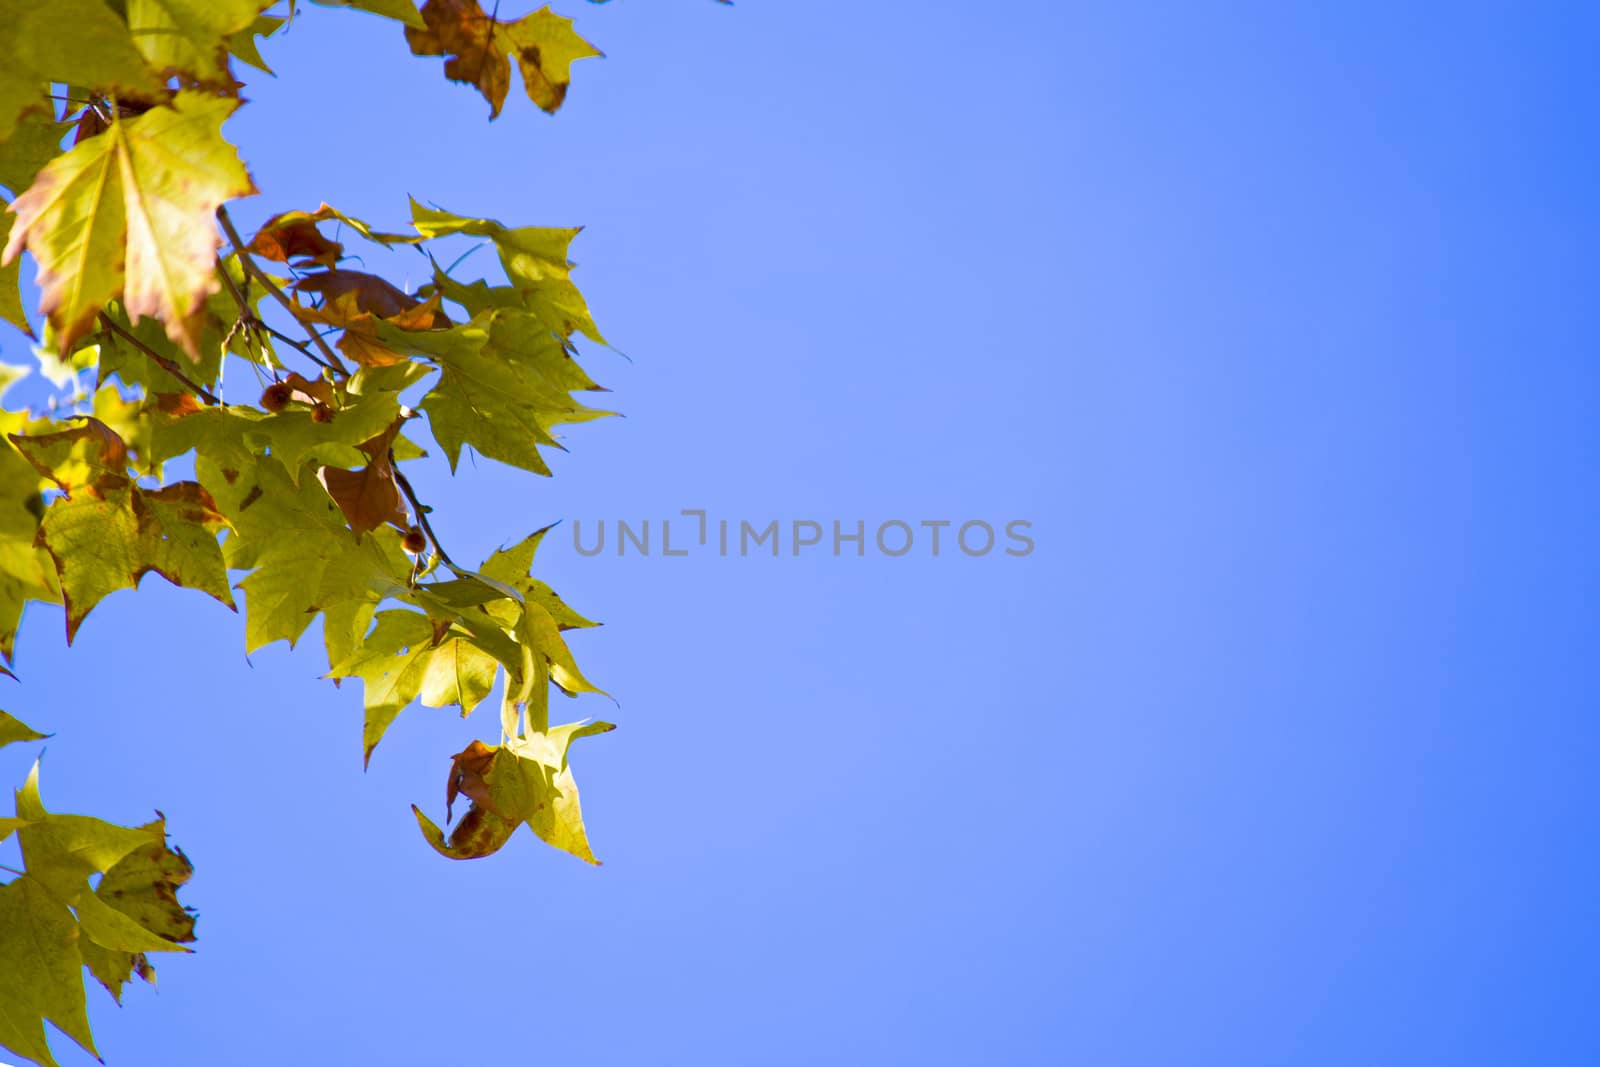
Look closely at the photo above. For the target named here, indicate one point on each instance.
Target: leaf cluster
(92, 895)
(249, 418)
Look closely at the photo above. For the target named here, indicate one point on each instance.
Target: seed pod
(277, 396)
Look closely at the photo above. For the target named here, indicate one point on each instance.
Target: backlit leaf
(189, 36)
(14, 729)
(75, 42)
(128, 213)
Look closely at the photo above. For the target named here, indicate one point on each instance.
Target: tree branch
(161, 361)
(329, 358)
(420, 511)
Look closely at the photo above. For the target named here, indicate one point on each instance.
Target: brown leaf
(479, 49)
(372, 293)
(467, 769)
(294, 235)
(460, 31)
(360, 338)
(307, 391)
(368, 497)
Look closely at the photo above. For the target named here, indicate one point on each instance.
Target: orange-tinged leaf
(479, 50)
(368, 497)
(88, 455)
(371, 293)
(467, 769)
(176, 405)
(294, 236)
(356, 302)
(129, 213)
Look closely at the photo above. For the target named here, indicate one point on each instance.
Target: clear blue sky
(1279, 323)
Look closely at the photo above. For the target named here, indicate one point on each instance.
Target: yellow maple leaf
(128, 213)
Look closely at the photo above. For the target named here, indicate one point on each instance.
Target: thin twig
(331, 360)
(420, 512)
(161, 361)
(303, 348)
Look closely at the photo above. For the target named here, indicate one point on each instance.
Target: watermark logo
(694, 532)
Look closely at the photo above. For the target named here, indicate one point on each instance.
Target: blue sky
(1278, 324)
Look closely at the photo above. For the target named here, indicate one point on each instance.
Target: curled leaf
(479, 50)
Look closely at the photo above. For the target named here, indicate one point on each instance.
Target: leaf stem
(161, 361)
(329, 359)
(420, 511)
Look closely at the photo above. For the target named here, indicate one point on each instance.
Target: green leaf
(390, 663)
(296, 438)
(190, 36)
(35, 142)
(11, 309)
(502, 399)
(43, 973)
(133, 910)
(77, 42)
(129, 212)
(142, 887)
(514, 566)
(407, 656)
(14, 729)
(535, 260)
(458, 672)
(26, 571)
(525, 780)
(302, 557)
(101, 545)
(242, 43)
(399, 10)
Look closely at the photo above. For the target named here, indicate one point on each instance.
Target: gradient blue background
(1278, 321)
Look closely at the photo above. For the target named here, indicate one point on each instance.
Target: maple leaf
(189, 36)
(479, 50)
(242, 43)
(128, 213)
(356, 301)
(514, 566)
(399, 10)
(302, 556)
(107, 542)
(11, 309)
(535, 260)
(526, 780)
(14, 729)
(90, 455)
(133, 911)
(368, 497)
(501, 390)
(369, 292)
(74, 42)
(35, 142)
(26, 572)
(143, 886)
(298, 437)
(327, 213)
(405, 657)
(294, 236)
(42, 978)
